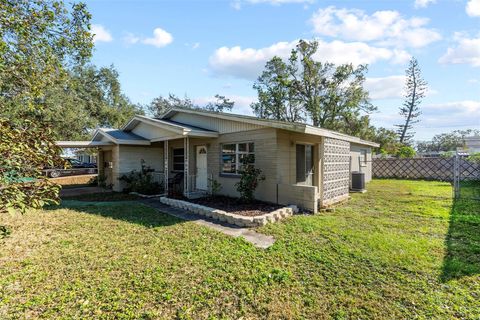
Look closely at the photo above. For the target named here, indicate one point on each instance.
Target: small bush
(215, 187)
(142, 181)
(250, 177)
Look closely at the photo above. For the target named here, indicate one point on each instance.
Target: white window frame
(363, 157)
(312, 174)
(238, 153)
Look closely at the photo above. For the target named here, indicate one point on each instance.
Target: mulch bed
(233, 205)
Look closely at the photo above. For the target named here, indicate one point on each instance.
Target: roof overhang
(289, 126)
(104, 133)
(177, 130)
(82, 144)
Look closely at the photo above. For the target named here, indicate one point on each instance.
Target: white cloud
(435, 118)
(160, 38)
(100, 34)
(466, 51)
(391, 87)
(130, 38)
(473, 81)
(458, 113)
(387, 28)
(473, 8)
(423, 3)
(193, 46)
(249, 62)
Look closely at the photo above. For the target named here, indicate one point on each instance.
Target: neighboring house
(85, 157)
(472, 144)
(303, 165)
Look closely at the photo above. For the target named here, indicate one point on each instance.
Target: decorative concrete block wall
(235, 219)
(336, 171)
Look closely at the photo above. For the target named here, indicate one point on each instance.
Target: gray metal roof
(123, 135)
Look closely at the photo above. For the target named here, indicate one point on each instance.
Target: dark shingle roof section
(123, 135)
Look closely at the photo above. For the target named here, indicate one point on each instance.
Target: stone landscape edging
(231, 218)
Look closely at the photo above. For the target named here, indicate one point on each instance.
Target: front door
(201, 179)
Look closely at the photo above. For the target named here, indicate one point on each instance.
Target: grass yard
(402, 250)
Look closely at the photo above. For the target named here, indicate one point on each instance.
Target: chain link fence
(466, 179)
(462, 173)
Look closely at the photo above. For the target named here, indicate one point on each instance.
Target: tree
(415, 88)
(332, 97)
(161, 104)
(89, 98)
(446, 141)
(276, 95)
(221, 104)
(40, 40)
(22, 159)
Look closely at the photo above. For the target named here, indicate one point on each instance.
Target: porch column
(186, 155)
(165, 165)
(100, 168)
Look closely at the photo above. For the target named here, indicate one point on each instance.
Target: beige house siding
(265, 159)
(149, 131)
(210, 123)
(127, 158)
(357, 161)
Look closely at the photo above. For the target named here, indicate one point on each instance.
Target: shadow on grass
(463, 239)
(128, 211)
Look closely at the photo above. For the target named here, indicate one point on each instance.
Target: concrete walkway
(257, 239)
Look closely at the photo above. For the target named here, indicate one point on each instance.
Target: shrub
(142, 181)
(406, 152)
(474, 157)
(249, 179)
(215, 187)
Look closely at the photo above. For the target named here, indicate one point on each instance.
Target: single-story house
(302, 164)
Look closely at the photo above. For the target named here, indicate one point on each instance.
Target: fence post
(456, 176)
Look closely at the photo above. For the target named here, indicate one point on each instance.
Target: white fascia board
(167, 138)
(195, 133)
(135, 142)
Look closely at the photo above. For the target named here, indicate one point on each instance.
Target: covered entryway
(201, 181)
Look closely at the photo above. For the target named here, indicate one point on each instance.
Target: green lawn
(402, 250)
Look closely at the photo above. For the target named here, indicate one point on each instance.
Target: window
(305, 164)
(233, 154)
(178, 159)
(363, 157)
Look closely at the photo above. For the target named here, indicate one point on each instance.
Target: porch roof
(118, 137)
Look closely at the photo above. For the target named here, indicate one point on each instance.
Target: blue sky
(201, 48)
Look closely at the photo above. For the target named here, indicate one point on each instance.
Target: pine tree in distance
(415, 90)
